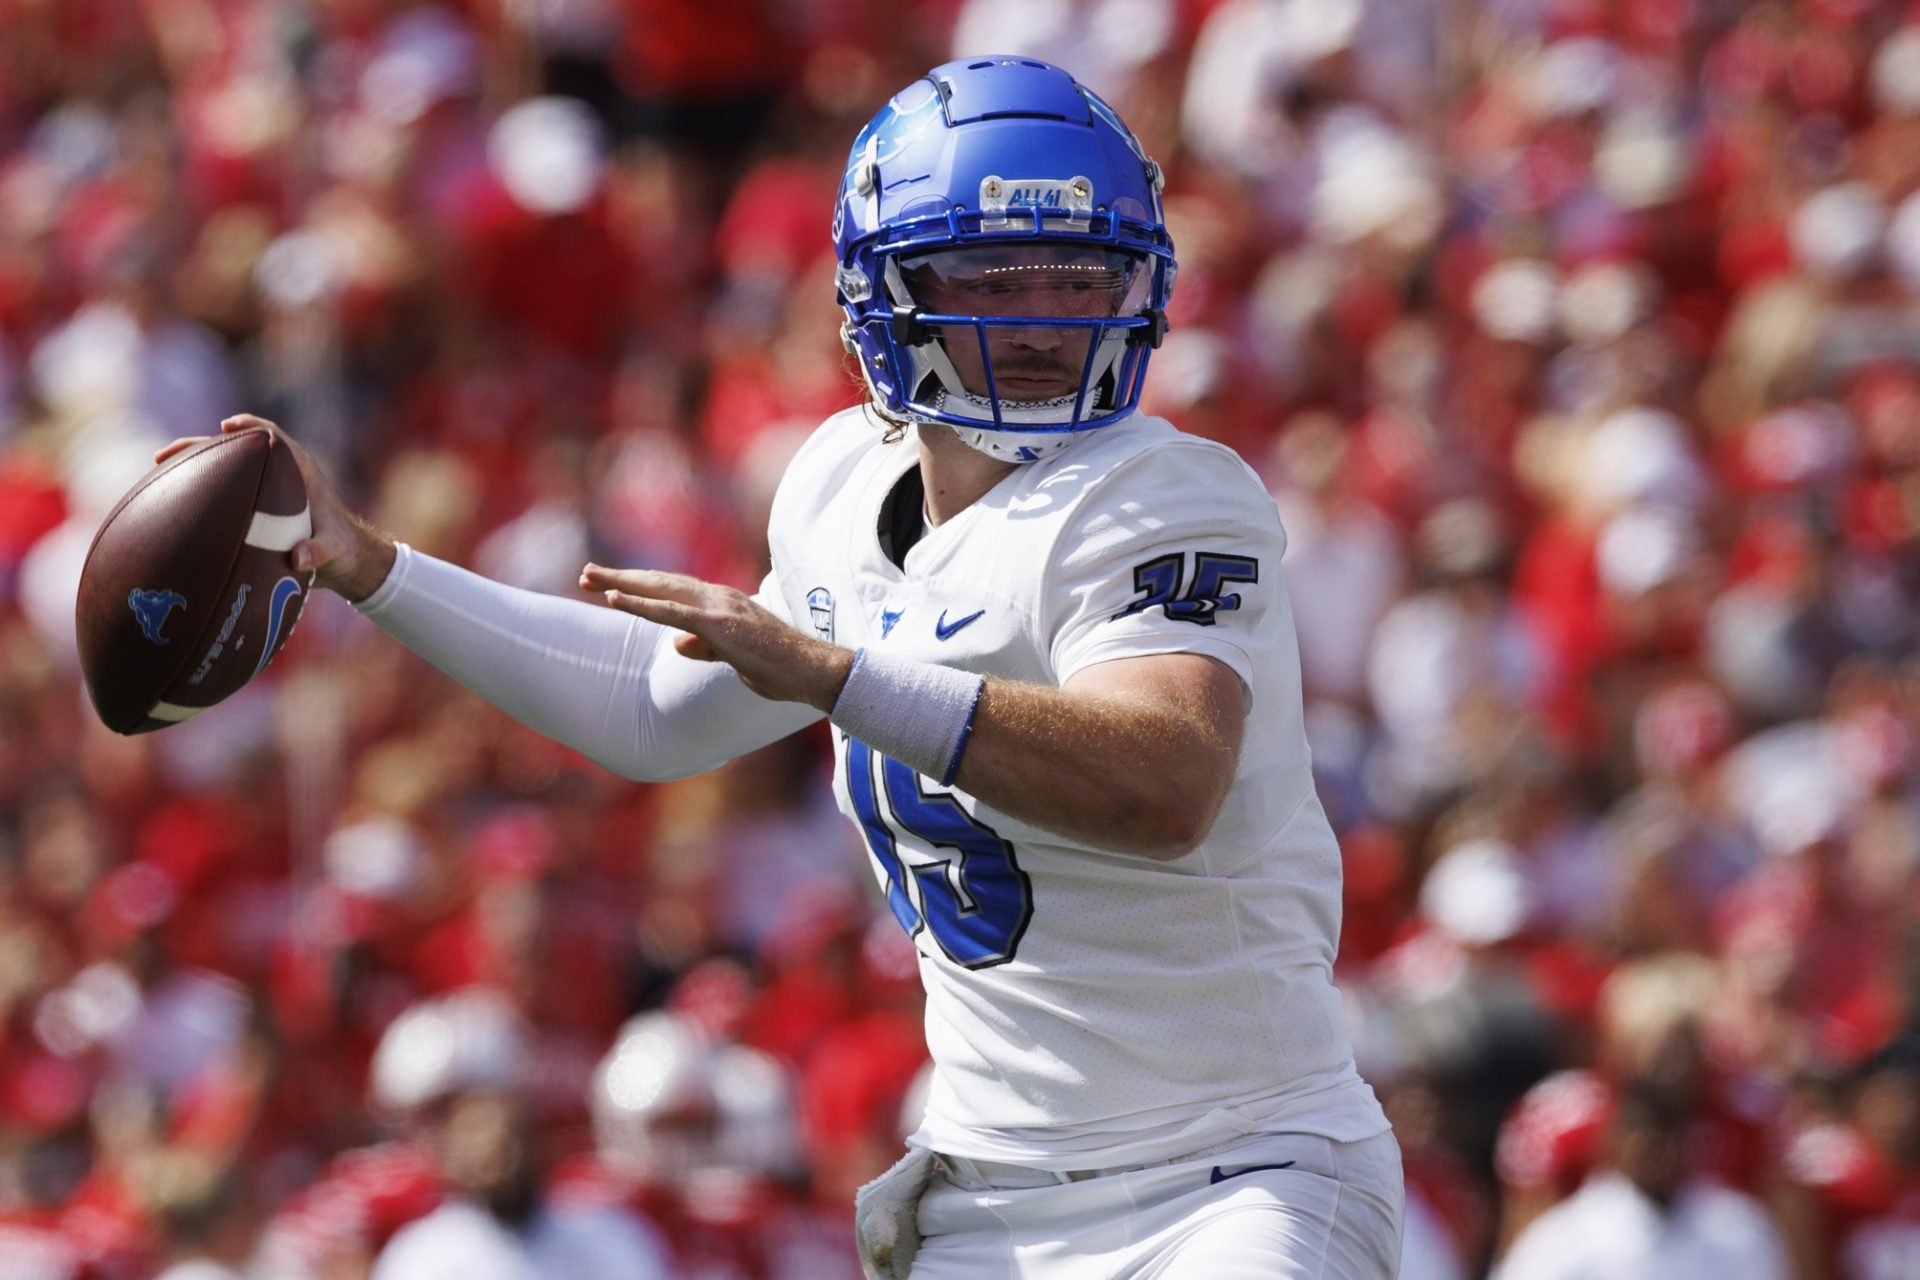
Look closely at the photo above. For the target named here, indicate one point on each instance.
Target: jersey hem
(1351, 1114)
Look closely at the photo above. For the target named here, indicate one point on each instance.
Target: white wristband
(919, 713)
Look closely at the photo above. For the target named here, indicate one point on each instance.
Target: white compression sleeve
(605, 683)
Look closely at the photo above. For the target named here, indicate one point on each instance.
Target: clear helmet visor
(1044, 281)
(1069, 291)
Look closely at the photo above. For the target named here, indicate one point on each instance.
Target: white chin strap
(1010, 446)
(1015, 446)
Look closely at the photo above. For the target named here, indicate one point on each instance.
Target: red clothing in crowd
(354, 1206)
(1868, 1208)
(1553, 1138)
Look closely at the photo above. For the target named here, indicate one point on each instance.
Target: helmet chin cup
(998, 152)
(1015, 446)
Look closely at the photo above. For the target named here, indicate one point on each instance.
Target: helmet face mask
(972, 300)
(1020, 310)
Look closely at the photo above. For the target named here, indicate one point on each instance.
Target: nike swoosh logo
(284, 592)
(1221, 1175)
(943, 631)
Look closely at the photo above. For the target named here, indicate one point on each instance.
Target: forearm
(1133, 754)
(601, 681)
(1117, 770)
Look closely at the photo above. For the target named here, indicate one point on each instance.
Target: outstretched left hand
(724, 625)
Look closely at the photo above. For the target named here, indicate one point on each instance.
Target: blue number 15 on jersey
(975, 900)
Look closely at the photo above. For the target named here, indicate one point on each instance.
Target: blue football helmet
(1004, 261)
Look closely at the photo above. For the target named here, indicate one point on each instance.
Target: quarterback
(1051, 637)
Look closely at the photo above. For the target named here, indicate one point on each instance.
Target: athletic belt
(1016, 1177)
(1001, 1176)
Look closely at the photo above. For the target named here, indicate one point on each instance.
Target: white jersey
(1086, 1008)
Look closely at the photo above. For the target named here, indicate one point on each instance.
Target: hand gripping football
(188, 590)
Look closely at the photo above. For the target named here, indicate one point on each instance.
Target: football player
(1051, 636)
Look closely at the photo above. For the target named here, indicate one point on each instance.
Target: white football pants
(1275, 1207)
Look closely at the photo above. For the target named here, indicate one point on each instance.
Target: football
(188, 590)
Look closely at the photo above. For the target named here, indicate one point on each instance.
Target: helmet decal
(910, 113)
(1001, 199)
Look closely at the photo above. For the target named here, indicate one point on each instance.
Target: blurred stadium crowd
(1578, 339)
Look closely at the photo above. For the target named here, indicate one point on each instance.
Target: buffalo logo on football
(152, 609)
